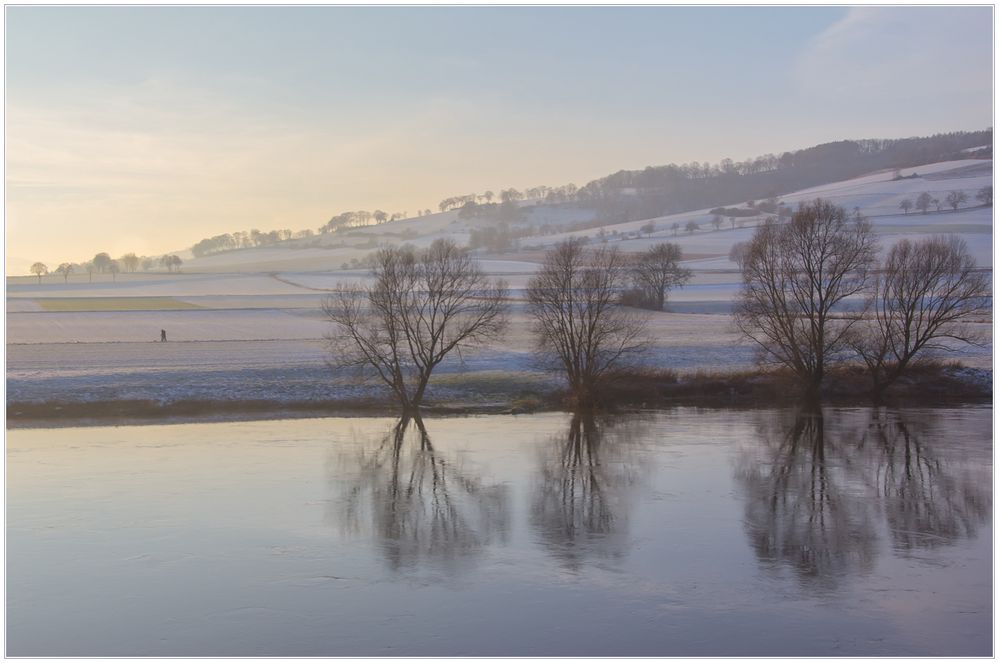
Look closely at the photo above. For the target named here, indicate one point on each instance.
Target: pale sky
(145, 129)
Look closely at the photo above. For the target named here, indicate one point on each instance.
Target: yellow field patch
(113, 304)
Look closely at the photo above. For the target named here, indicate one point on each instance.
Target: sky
(146, 129)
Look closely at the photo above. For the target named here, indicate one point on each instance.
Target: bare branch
(794, 276)
(421, 307)
(579, 325)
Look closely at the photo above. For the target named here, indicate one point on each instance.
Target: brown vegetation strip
(926, 385)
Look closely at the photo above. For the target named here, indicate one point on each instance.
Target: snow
(272, 354)
(258, 331)
(151, 285)
(183, 325)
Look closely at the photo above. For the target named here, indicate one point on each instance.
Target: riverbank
(928, 385)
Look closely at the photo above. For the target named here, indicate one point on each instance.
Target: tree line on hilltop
(662, 190)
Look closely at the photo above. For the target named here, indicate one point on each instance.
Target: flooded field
(679, 533)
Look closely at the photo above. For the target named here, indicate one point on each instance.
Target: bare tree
(511, 195)
(579, 325)
(794, 275)
(39, 269)
(65, 269)
(923, 296)
(130, 262)
(984, 196)
(170, 261)
(101, 262)
(691, 226)
(905, 205)
(657, 271)
(675, 227)
(421, 307)
(648, 228)
(716, 221)
(956, 198)
(738, 253)
(114, 268)
(923, 201)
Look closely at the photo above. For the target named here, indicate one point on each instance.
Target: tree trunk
(417, 399)
(813, 387)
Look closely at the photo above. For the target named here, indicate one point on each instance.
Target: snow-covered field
(237, 354)
(256, 330)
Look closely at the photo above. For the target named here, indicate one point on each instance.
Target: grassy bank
(926, 385)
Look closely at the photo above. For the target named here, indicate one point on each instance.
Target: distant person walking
(162, 336)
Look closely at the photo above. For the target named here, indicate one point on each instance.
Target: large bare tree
(794, 275)
(658, 270)
(578, 322)
(422, 306)
(924, 295)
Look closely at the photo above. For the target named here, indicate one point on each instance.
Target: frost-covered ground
(257, 330)
(281, 356)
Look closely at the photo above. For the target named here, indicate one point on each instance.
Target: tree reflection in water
(579, 507)
(927, 502)
(819, 488)
(800, 507)
(421, 506)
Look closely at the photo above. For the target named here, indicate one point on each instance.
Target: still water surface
(687, 532)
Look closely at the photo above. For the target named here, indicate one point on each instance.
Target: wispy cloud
(902, 54)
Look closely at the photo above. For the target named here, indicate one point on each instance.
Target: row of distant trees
(548, 194)
(954, 199)
(245, 239)
(362, 218)
(424, 305)
(655, 191)
(503, 236)
(103, 263)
